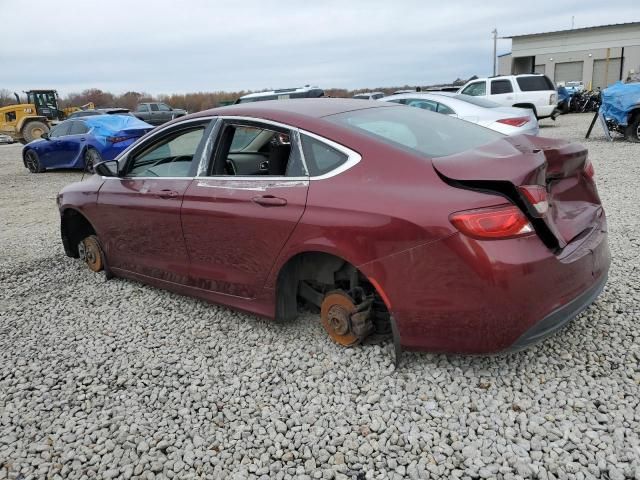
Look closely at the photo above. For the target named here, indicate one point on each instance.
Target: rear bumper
(545, 111)
(461, 295)
(560, 317)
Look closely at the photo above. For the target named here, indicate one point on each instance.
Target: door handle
(270, 201)
(82, 139)
(168, 194)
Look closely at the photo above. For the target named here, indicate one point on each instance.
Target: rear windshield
(417, 130)
(535, 83)
(481, 102)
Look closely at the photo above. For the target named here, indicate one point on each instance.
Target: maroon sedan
(387, 219)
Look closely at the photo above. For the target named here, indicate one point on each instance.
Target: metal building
(596, 56)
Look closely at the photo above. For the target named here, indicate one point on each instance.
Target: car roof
(298, 107)
(431, 95)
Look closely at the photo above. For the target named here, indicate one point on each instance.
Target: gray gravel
(119, 380)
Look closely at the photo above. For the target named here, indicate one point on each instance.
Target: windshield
(480, 102)
(43, 99)
(417, 130)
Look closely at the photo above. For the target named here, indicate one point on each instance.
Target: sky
(181, 46)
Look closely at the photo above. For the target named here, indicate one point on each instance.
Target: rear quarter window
(535, 84)
(320, 157)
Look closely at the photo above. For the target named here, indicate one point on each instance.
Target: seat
(278, 159)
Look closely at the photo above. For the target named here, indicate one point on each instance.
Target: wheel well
(309, 276)
(74, 227)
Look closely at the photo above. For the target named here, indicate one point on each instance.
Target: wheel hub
(338, 319)
(336, 310)
(89, 250)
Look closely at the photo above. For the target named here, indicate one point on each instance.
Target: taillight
(536, 195)
(589, 171)
(552, 99)
(515, 122)
(117, 139)
(501, 222)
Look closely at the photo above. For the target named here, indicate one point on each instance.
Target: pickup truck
(157, 113)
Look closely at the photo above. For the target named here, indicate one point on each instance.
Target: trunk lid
(557, 165)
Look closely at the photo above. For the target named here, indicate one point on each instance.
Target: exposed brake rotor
(91, 253)
(345, 322)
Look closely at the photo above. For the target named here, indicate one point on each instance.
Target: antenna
(573, 21)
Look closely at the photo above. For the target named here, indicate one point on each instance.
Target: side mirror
(45, 135)
(108, 168)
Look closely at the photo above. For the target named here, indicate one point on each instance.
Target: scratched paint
(252, 185)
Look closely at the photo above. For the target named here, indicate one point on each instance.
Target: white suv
(534, 91)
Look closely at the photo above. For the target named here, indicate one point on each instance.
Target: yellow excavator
(25, 122)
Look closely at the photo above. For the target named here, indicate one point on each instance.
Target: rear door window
(256, 150)
(501, 86)
(534, 83)
(154, 107)
(442, 108)
(423, 104)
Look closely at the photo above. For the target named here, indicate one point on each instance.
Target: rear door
(501, 91)
(157, 117)
(140, 210)
(238, 215)
(166, 113)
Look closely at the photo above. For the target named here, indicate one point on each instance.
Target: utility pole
(495, 46)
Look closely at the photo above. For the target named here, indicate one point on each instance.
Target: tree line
(192, 102)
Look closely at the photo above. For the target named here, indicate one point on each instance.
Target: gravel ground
(119, 380)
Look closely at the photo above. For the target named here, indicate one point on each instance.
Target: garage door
(613, 74)
(568, 72)
(539, 69)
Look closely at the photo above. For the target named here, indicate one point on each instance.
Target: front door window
(170, 157)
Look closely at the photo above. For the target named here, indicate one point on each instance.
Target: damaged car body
(385, 219)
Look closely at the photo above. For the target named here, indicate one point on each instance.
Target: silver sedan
(506, 120)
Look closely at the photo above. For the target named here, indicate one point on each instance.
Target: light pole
(495, 45)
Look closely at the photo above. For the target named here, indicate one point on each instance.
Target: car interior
(245, 150)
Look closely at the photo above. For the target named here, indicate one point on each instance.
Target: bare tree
(6, 97)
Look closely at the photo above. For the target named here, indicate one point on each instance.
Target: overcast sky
(165, 46)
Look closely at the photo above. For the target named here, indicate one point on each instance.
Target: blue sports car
(82, 142)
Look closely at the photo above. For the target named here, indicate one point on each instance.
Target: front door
(140, 211)
(72, 145)
(51, 150)
(238, 217)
